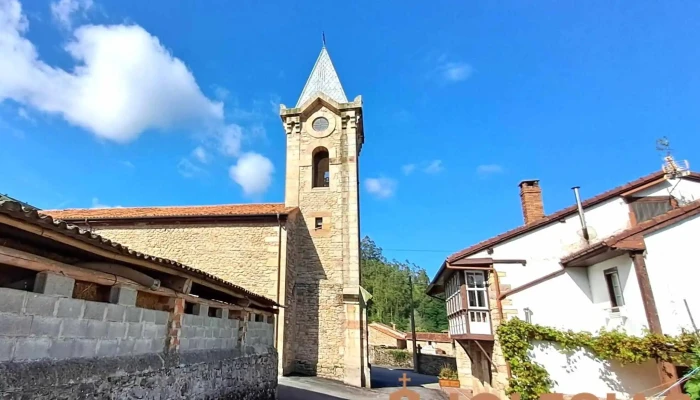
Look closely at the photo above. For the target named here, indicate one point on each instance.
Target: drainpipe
(279, 275)
(580, 213)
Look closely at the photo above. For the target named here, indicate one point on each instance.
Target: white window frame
(476, 290)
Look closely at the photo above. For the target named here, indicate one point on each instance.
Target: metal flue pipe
(581, 215)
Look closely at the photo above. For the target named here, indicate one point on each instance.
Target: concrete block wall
(35, 326)
(260, 334)
(200, 332)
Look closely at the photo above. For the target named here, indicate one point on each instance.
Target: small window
(321, 173)
(612, 279)
(476, 290)
(318, 223)
(646, 208)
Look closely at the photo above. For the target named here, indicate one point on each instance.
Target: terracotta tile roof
(387, 330)
(420, 336)
(636, 232)
(432, 337)
(561, 214)
(16, 211)
(169, 212)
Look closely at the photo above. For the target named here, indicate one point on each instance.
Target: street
(384, 382)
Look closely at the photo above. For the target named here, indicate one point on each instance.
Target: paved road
(313, 388)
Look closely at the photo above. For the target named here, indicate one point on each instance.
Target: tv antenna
(672, 169)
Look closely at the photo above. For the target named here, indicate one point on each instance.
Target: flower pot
(448, 382)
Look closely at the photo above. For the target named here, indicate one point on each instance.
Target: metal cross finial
(404, 379)
(323, 37)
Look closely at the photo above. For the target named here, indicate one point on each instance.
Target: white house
(636, 245)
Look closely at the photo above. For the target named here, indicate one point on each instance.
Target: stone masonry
(244, 253)
(327, 280)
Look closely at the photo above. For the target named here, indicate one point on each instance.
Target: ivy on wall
(531, 379)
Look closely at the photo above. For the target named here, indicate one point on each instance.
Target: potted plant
(448, 377)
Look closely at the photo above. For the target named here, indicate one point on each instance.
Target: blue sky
(126, 103)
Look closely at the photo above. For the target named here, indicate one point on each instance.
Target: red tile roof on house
(223, 210)
(561, 214)
(431, 337)
(633, 236)
(387, 330)
(420, 336)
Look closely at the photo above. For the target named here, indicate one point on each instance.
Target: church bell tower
(324, 138)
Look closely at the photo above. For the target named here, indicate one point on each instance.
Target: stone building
(303, 253)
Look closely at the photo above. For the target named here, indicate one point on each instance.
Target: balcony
(468, 306)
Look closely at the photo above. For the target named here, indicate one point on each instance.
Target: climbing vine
(531, 379)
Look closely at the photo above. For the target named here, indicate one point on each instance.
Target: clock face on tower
(320, 124)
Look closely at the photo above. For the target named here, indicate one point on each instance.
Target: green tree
(388, 283)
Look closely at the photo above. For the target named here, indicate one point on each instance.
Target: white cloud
(275, 104)
(230, 139)
(128, 164)
(429, 167)
(455, 72)
(200, 154)
(253, 172)
(124, 81)
(489, 169)
(451, 71)
(24, 114)
(221, 92)
(187, 168)
(96, 204)
(380, 187)
(63, 10)
(434, 167)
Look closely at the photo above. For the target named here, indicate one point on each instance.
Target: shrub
(399, 355)
(446, 372)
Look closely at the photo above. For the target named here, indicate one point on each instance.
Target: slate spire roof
(323, 79)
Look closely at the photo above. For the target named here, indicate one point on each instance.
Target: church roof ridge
(324, 79)
(171, 211)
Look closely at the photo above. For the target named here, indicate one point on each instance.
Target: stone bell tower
(324, 138)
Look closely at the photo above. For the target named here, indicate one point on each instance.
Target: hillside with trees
(388, 283)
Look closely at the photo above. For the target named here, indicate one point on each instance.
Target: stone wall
(431, 364)
(390, 357)
(244, 253)
(318, 293)
(201, 374)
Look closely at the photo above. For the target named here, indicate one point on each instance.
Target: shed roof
(16, 211)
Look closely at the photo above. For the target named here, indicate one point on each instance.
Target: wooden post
(413, 324)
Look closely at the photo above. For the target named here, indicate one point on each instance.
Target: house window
(612, 279)
(646, 208)
(476, 289)
(453, 294)
(321, 173)
(318, 223)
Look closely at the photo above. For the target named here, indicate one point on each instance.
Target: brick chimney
(531, 199)
(393, 326)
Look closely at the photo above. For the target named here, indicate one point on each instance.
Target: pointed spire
(323, 79)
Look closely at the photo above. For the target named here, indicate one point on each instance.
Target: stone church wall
(244, 253)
